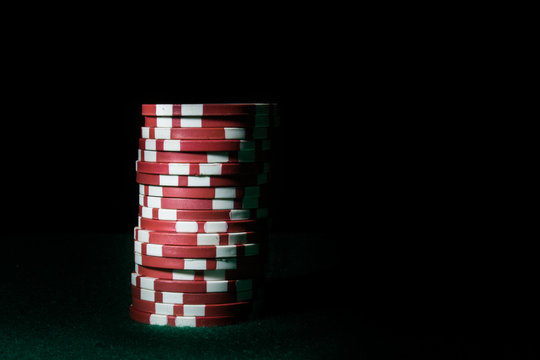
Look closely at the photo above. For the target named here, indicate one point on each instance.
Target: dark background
(73, 144)
(373, 156)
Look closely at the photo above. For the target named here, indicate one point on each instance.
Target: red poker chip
(204, 169)
(201, 226)
(204, 133)
(181, 321)
(208, 121)
(204, 145)
(201, 181)
(232, 309)
(198, 215)
(171, 297)
(248, 262)
(178, 274)
(201, 204)
(200, 286)
(195, 239)
(243, 109)
(204, 157)
(222, 192)
(178, 251)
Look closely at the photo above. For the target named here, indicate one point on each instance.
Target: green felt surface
(105, 332)
(69, 299)
(75, 306)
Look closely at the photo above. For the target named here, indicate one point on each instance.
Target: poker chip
(207, 121)
(201, 181)
(194, 263)
(225, 192)
(211, 169)
(227, 133)
(203, 172)
(232, 309)
(196, 275)
(172, 297)
(207, 109)
(200, 226)
(203, 156)
(196, 286)
(174, 214)
(180, 321)
(204, 145)
(201, 204)
(210, 251)
(195, 239)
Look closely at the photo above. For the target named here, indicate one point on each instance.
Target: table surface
(67, 296)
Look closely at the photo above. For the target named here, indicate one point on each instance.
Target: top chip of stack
(239, 109)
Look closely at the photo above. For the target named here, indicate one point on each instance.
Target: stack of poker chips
(203, 175)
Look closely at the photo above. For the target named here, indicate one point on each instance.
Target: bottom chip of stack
(182, 321)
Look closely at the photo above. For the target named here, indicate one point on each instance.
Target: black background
(368, 141)
(73, 143)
